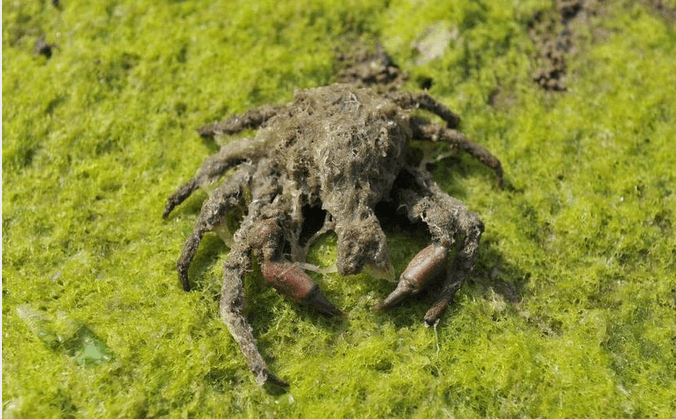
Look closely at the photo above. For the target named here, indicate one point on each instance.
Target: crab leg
(471, 227)
(251, 119)
(424, 130)
(230, 155)
(424, 101)
(262, 238)
(226, 197)
(447, 218)
(232, 313)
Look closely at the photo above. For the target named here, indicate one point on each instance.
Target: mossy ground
(571, 311)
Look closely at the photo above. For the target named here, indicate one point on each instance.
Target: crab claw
(291, 281)
(424, 266)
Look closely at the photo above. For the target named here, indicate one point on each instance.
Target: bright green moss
(570, 312)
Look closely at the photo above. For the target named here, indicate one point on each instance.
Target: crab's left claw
(291, 281)
(426, 265)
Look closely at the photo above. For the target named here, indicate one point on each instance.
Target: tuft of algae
(570, 311)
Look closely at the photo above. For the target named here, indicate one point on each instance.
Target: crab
(342, 149)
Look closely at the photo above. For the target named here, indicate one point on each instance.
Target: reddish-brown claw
(290, 280)
(426, 265)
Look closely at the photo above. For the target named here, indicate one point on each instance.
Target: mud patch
(552, 32)
(668, 14)
(367, 64)
(43, 48)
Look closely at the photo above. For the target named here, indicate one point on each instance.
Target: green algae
(571, 309)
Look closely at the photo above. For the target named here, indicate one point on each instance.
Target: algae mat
(571, 308)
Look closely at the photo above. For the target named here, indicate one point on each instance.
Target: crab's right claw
(426, 265)
(291, 281)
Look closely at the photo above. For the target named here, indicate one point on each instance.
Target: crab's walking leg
(251, 119)
(424, 130)
(232, 313)
(426, 102)
(228, 156)
(262, 237)
(214, 209)
(447, 219)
